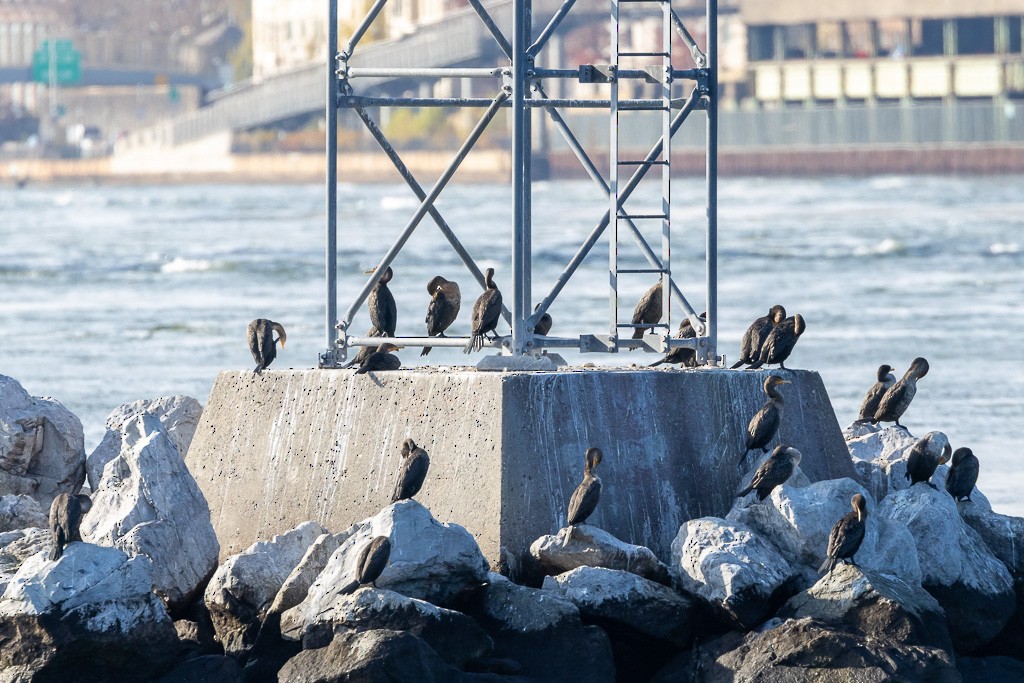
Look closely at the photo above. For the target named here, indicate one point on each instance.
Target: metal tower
(519, 85)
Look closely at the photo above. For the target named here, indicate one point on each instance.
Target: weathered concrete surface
(506, 449)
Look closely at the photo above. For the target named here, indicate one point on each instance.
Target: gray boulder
(879, 456)
(91, 615)
(798, 521)
(16, 547)
(42, 445)
(147, 503)
(243, 588)
(21, 512)
(589, 546)
(211, 668)
(971, 584)
(178, 415)
(876, 605)
(1003, 534)
(622, 601)
(738, 572)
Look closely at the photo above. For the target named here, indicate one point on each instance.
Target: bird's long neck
(773, 394)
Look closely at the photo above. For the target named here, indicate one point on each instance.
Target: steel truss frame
(521, 89)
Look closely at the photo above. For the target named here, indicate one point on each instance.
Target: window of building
(829, 40)
(859, 39)
(926, 36)
(761, 43)
(1013, 43)
(798, 41)
(975, 36)
(893, 40)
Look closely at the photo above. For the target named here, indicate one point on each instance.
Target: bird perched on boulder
(370, 564)
(66, 513)
(765, 424)
(774, 471)
(930, 451)
(445, 302)
(780, 342)
(584, 498)
(884, 380)
(847, 534)
(682, 355)
(757, 333)
(963, 474)
(262, 343)
(486, 312)
(897, 398)
(648, 310)
(415, 463)
(381, 359)
(381, 305)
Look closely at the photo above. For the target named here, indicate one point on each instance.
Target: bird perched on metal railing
(648, 310)
(445, 302)
(486, 312)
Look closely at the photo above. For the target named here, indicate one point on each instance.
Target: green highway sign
(66, 60)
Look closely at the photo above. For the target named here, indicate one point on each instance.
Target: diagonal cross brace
(357, 35)
(699, 58)
(498, 36)
(552, 26)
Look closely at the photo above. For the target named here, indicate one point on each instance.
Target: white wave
(394, 202)
(1000, 248)
(889, 182)
(886, 246)
(186, 265)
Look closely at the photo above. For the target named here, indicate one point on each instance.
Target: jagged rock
(92, 614)
(970, 583)
(734, 569)
(879, 456)
(429, 560)
(42, 445)
(148, 504)
(370, 656)
(295, 588)
(242, 588)
(876, 605)
(178, 415)
(589, 546)
(1004, 535)
(990, 669)
(804, 650)
(798, 522)
(16, 547)
(204, 669)
(454, 636)
(624, 601)
(21, 512)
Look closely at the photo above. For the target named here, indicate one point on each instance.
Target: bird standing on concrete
(780, 342)
(370, 564)
(486, 312)
(262, 343)
(415, 463)
(774, 471)
(926, 455)
(648, 310)
(757, 333)
(584, 498)
(963, 474)
(381, 359)
(66, 513)
(847, 534)
(763, 427)
(445, 302)
(682, 355)
(897, 398)
(869, 405)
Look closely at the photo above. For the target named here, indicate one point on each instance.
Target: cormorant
(415, 463)
(365, 351)
(897, 398)
(543, 325)
(584, 498)
(963, 474)
(773, 472)
(381, 359)
(869, 405)
(370, 564)
(846, 536)
(780, 342)
(445, 302)
(66, 512)
(486, 312)
(926, 455)
(757, 333)
(648, 310)
(261, 341)
(382, 307)
(683, 355)
(765, 424)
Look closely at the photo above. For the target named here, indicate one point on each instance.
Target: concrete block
(506, 448)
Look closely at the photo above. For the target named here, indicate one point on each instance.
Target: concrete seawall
(506, 449)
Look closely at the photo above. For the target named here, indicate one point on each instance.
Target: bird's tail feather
(349, 587)
(744, 491)
(756, 365)
(657, 362)
(425, 351)
(827, 566)
(55, 552)
(737, 364)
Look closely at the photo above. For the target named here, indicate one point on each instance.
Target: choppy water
(110, 294)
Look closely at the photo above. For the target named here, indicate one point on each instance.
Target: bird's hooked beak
(946, 451)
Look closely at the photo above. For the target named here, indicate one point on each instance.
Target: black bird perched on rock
(543, 325)
(774, 471)
(780, 342)
(486, 312)
(66, 512)
(884, 380)
(262, 342)
(370, 564)
(381, 359)
(963, 474)
(682, 355)
(897, 398)
(847, 534)
(765, 424)
(445, 302)
(584, 498)
(925, 456)
(648, 310)
(757, 333)
(415, 463)
(381, 305)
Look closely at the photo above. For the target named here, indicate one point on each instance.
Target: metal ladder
(658, 71)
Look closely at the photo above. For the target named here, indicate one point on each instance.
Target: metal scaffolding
(519, 87)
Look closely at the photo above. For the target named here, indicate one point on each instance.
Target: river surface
(111, 294)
